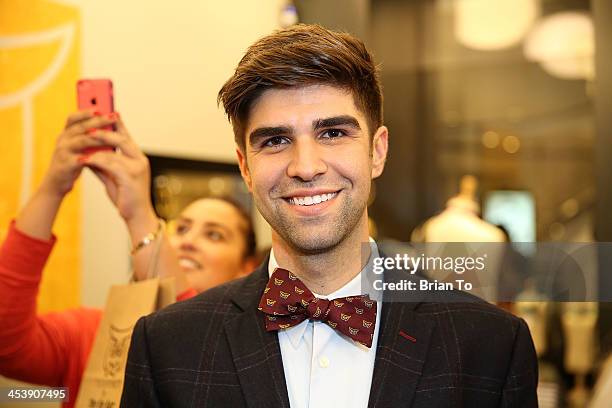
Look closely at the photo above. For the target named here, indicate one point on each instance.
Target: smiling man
(306, 108)
(309, 162)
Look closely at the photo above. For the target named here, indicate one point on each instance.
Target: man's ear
(244, 168)
(380, 146)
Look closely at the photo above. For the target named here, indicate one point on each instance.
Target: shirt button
(324, 362)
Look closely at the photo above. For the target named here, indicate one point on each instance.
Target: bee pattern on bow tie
(284, 326)
(366, 324)
(284, 295)
(292, 276)
(338, 304)
(291, 308)
(368, 303)
(304, 303)
(270, 302)
(266, 290)
(332, 324)
(358, 311)
(353, 331)
(294, 317)
(298, 290)
(345, 317)
(278, 282)
(317, 313)
(349, 299)
(272, 318)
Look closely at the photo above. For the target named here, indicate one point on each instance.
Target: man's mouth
(188, 263)
(311, 199)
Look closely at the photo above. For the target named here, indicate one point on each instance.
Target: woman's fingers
(89, 124)
(77, 117)
(119, 140)
(76, 145)
(121, 126)
(109, 162)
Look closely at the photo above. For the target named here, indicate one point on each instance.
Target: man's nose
(307, 160)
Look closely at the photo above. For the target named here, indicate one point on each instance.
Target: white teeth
(311, 200)
(188, 263)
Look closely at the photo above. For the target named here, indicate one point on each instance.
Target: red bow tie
(287, 302)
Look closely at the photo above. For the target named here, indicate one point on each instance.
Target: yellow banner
(39, 66)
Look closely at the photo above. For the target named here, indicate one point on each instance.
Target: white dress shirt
(323, 368)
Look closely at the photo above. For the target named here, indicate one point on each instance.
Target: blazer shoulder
(228, 299)
(470, 315)
(215, 301)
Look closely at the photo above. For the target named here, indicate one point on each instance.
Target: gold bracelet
(150, 237)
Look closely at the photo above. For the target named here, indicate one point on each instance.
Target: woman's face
(210, 240)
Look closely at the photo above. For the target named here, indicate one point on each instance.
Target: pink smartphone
(96, 94)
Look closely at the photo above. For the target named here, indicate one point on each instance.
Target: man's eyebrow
(270, 131)
(344, 120)
(264, 132)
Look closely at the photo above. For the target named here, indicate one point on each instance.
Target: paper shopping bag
(102, 381)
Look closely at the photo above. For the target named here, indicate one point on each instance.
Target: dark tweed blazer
(213, 351)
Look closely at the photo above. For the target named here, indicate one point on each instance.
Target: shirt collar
(353, 287)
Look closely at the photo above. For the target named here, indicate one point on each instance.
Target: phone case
(96, 94)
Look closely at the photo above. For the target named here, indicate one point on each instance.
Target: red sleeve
(48, 349)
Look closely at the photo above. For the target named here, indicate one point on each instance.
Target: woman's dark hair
(249, 230)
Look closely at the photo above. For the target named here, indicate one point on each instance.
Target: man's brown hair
(299, 56)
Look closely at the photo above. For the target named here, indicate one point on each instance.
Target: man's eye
(275, 141)
(333, 133)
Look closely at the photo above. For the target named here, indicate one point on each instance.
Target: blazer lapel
(403, 343)
(256, 352)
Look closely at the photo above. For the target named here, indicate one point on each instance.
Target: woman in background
(214, 242)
